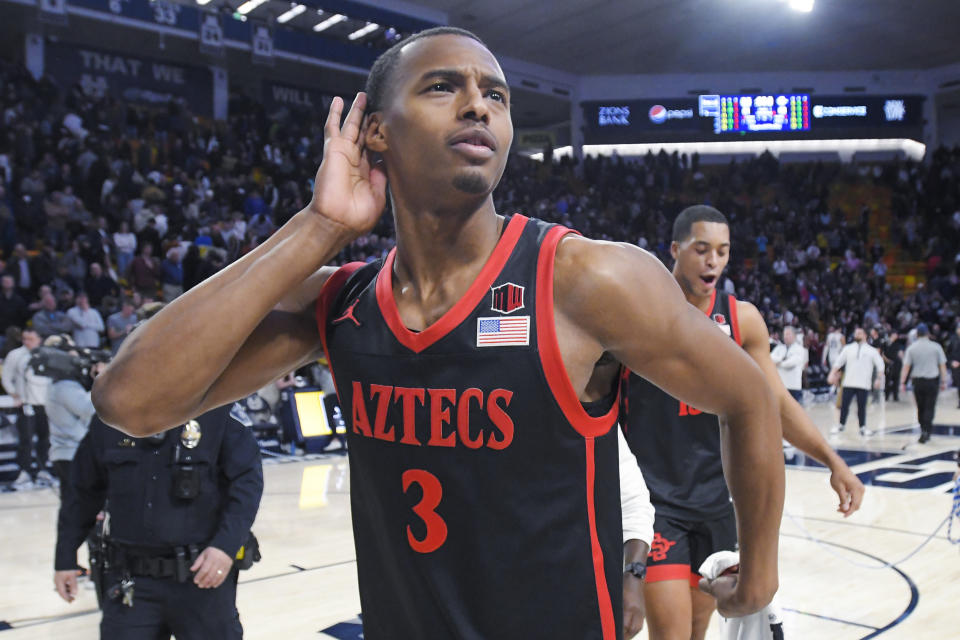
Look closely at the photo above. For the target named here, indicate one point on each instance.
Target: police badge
(190, 436)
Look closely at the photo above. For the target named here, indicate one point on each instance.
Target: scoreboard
(756, 113)
(770, 116)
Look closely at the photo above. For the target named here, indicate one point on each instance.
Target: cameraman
(69, 411)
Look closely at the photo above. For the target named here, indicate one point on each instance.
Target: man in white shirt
(863, 366)
(29, 391)
(791, 358)
(87, 322)
(833, 347)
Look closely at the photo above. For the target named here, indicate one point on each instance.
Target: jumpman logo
(348, 315)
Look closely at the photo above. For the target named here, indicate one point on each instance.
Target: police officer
(180, 506)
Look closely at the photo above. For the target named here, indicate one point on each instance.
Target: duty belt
(174, 564)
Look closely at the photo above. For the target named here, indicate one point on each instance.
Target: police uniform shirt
(924, 358)
(135, 478)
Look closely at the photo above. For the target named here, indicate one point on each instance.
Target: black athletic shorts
(680, 546)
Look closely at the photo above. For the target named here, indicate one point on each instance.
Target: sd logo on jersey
(721, 321)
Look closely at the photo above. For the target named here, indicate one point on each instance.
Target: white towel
(766, 624)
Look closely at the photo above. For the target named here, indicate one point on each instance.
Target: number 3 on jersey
(432, 493)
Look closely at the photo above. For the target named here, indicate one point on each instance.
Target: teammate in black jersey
(438, 126)
(678, 446)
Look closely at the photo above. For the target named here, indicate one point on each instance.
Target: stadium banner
(261, 42)
(211, 34)
(160, 13)
(788, 116)
(136, 79)
(53, 11)
(277, 95)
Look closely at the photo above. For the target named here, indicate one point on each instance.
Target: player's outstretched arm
(798, 429)
(253, 321)
(618, 298)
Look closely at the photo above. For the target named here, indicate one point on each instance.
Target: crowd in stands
(105, 206)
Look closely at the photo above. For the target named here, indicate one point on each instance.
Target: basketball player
(678, 445)
(484, 485)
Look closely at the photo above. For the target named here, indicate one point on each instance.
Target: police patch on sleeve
(238, 413)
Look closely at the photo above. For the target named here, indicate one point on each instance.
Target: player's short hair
(378, 82)
(683, 225)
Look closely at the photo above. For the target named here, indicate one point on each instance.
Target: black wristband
(636, 569)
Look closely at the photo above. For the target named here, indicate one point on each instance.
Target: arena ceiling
(591, 37)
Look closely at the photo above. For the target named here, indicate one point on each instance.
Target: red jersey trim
(607, 623)
(713, 302)
(664, 572)
(331, 288)
(418, 341)
(734, 320)
(550, 358)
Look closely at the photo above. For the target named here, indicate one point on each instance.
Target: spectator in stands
(87, 322)
(121, 323)
(145, 272)
(22, 271)
(172, 275)
(13, 309)
(49, 320)
(98, 285)
(126, 244)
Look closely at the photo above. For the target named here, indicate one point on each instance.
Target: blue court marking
(913, 466)
(351, 630)
(914, 592)
(851, 456)
(297, 570)
(938, 429)
(817, 615)
(847, 523)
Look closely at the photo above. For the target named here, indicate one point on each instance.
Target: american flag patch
(503, 332)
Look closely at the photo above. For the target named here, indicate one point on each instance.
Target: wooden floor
(831, 588)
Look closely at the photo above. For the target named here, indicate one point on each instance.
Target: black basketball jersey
(678, 446)
(485, 496)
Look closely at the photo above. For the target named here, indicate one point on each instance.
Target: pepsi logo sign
(659, 114)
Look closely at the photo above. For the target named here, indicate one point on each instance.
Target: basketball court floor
(835, 582)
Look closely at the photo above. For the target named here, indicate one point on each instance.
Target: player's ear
(674, 249)
(375, 138)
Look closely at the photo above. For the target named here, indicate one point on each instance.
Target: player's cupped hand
(350, 186)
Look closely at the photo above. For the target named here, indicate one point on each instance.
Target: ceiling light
(249, 6)
(805, 6)
(329, 22)
(203, 2)
(359, 33)
(291, 13)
